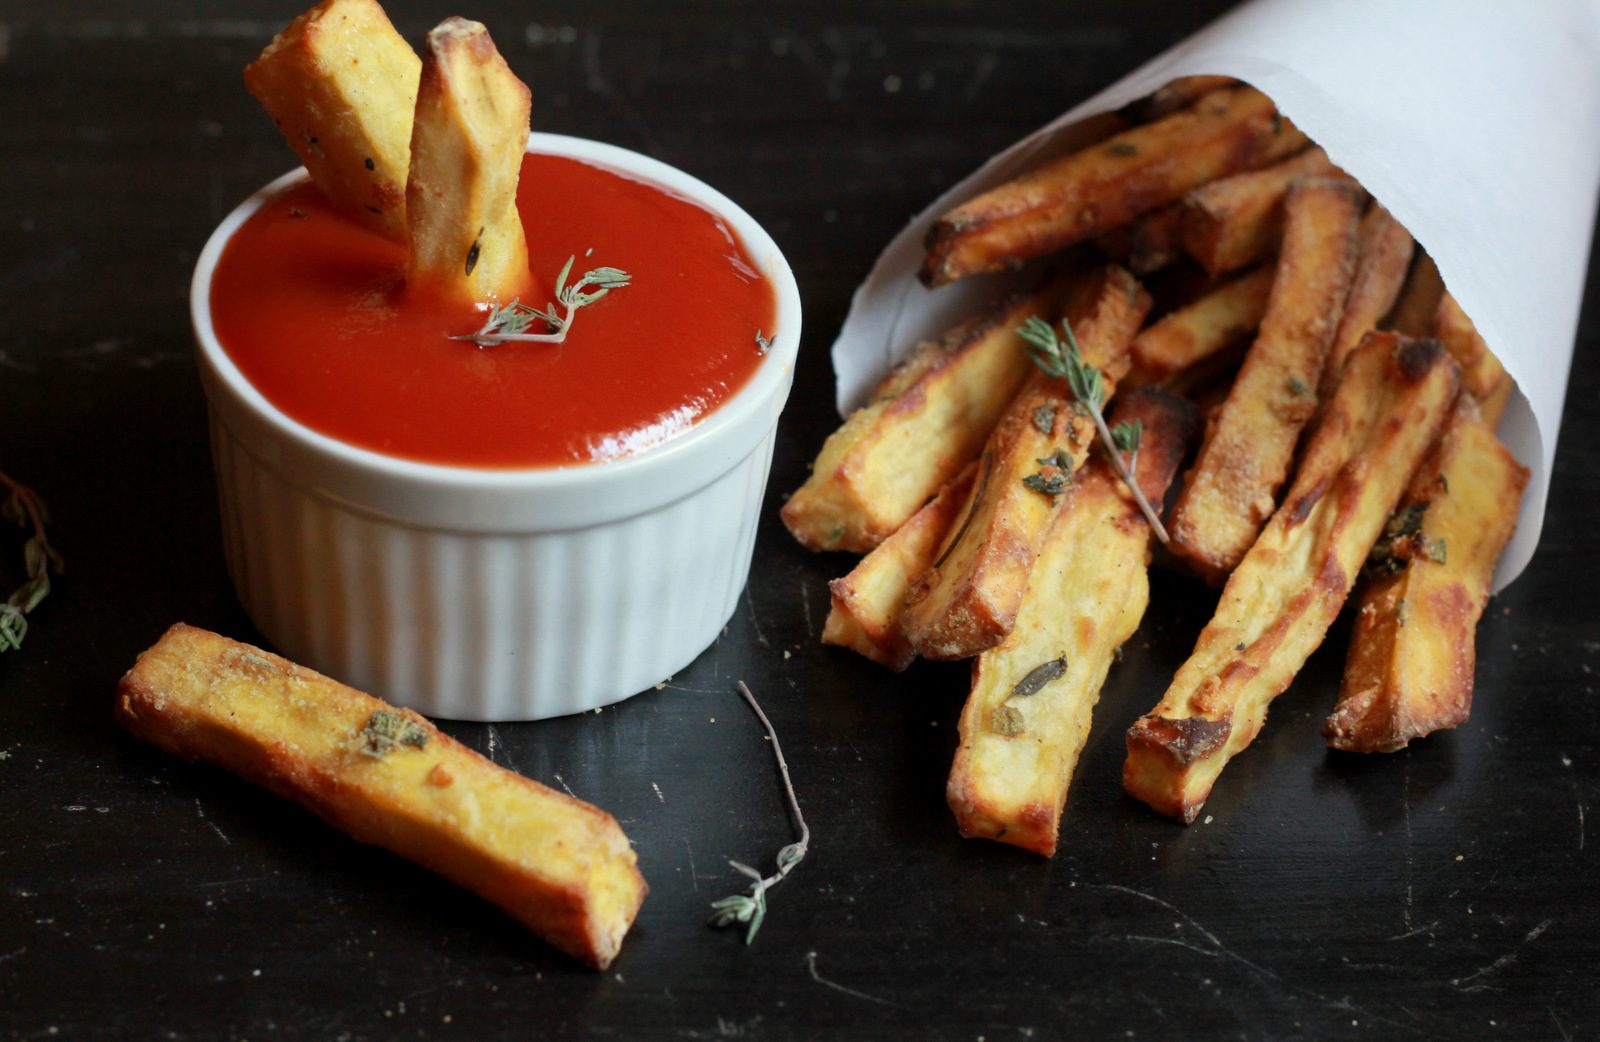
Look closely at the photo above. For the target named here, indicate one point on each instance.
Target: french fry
(1235, 221)
(1177, 94)
(1249, 443)
(1388, 410)
(341, 85)
(1088, 193)
(467, 142)
(1147, 244)
(866, 604)
(1028, 715)
(1481, 372)
(1197, 331)
(1410, 666)
(926, 421)
(967, 601)
(1386, 249)
(388, 777)
(1418, 306)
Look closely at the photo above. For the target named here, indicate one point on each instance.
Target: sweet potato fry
(1409, 671)
(1277, 605)
(866, 604)
(1088, 193)
(467, 141)
(1418, 306)
(926, 421)
(341, 85)
(1147, 244)
(1032, 697)
(1235, 221)
(388, 777)
(1199, 330)
(1250, 442)
(1481, 372)
(1386, 249)
(967, 601)
(1177, 94)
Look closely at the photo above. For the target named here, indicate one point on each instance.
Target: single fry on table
(1383, 419)
(1250, 442)
(1412, 656)
(388, 777)
(1032, 697)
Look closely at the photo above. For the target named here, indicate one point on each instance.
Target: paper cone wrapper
(1475, 122)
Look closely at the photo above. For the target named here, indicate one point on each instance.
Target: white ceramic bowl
(495, 594)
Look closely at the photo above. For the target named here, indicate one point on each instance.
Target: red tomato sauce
(311, 308)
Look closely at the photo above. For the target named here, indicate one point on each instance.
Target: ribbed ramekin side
(487, 626)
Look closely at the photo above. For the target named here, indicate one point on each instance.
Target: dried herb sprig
(513, 321)
(23, 506)
(751, 908)
(1060, 357)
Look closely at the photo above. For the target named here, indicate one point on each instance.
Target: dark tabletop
(1446, 891)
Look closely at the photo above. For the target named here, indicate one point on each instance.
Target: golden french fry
(1250, 442)
(1032, 697)
(866, 604)
(967, 601)
(1418, 306)
(1177, 94)
(1409, 670)
(1386, 249)
(1088, 193)
(1384, 417)
(1481, 372)
(341, 85)
(1184, 337)
(1147, 244)
(467, 142)
(388, 777)
(926, 421)
(1235, 221)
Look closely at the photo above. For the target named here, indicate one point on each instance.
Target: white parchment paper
(1476, 122)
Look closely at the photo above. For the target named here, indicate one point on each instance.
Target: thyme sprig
(23, 506)
(751, 909)
(512, 322)
(1060, 357)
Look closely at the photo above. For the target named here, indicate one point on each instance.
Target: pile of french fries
(1205, 262)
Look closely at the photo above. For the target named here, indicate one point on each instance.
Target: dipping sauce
(312, 309)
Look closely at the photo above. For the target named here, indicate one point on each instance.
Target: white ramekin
(495, 594)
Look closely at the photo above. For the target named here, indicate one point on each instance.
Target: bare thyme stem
(1127, 477)
(751, 908)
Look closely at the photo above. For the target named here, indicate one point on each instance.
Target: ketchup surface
(312, 309)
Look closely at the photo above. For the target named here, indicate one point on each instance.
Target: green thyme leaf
(512, 321)
(386, 729)
(1007, 721)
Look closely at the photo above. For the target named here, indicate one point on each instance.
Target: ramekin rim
(770, 380)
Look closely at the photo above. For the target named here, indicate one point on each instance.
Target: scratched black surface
(1444, 892)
